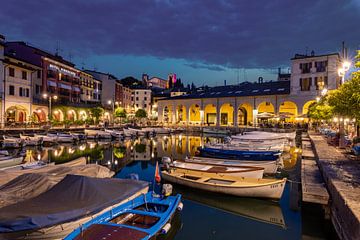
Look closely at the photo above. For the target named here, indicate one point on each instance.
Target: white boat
(32, 140)
(115, 133)
(138, 131)
(237, 186)
(12, 142)
(270, 167)
(62, 137)
(246, 147)
(10, 161)
(90, 133)
(239, 171)
(216, 131)
(157, 130)
(48, 139)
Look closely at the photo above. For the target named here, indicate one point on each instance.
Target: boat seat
(217, 169)
(110, 232)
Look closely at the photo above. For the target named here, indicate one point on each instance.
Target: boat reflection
(256, 209)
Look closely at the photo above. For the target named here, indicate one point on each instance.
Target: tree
(140, 113)
(96, 113)
(320, 111)
(120, 113)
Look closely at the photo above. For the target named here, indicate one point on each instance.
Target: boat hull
(239, 155)
(271, 190)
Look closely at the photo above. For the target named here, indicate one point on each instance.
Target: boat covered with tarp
(73, 201)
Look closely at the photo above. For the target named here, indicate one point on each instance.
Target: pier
(342, 179)
(313, 186)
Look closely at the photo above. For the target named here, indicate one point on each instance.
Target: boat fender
(166, 228)
(167, 160)
(167, 189)
(180, 206)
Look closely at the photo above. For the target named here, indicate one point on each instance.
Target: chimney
(279, 70)
(260, 80)
(225, 82)
(312, 53)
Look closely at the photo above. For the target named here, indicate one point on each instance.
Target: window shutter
(301, 83)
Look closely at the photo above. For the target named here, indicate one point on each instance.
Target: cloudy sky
(204, 42)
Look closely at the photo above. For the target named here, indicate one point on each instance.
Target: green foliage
(120, 112)
(140, 148)
(320, 111)
(119, 152)
(96, 113)
(79, 122)
(140, 113)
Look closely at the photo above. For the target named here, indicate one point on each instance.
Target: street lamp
(49, 97)
(342, 72)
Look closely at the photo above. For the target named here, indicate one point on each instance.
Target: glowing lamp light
(317, 99)
(341, 72)
(346, 65)
(45, 95)
(55, 97)
(335, 119)
(324, 92)
(109, 102)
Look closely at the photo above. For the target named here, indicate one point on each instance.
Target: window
(305, 67)
(321, 66)
(27, 92)
(39, 73)
(145, 105)
(137, 105)
(305, 84)
(37, 89)
(137, 99)
(137, 92)
(11, 90)
(321, 82)
(20, 91)
(145, 93)
(11, 72)
(24, 75)
(145, 98)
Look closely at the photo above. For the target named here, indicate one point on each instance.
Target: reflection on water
(205, 215)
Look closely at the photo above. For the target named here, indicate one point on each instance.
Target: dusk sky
(204, 42)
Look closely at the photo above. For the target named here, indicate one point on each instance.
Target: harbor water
(205, 215)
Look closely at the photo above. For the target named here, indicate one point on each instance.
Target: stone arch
(16, 113)
(39, 115)
(71, 115)
(194, 113)
(181, 113)
(210, 115)
(167, 114)
(245, 114)
(267, 107)
(58, 115)
(288, 110)
(226, 115)
(306, 106)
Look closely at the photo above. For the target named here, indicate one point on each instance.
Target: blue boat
(239, 154)
(142, 218)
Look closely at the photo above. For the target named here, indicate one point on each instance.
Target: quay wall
(342, 178)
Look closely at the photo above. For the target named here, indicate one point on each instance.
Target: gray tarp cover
(71, 199)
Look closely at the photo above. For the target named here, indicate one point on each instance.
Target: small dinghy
(242, 187)
(239, 171)
(9, 161)
(269, 166)
(145, 217)
(32, 140)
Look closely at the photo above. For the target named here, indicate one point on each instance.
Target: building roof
(302, 56)
(101, 73)
(31, 54)
(243, 90)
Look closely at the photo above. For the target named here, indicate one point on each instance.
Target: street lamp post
(49, 97)
(342, 72)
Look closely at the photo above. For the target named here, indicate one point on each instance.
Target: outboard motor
(166, 161)
(167, 189)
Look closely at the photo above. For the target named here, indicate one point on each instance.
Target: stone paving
(342, 177)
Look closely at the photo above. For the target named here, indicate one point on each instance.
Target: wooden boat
(31, 140)
(244, 171)
(63, 137)
(242, 187)
(238, 154)
(269, 166)
(42, 217)
(48, 139)
(215, 131)
(145, 217)
(260, 210)
(10, 161)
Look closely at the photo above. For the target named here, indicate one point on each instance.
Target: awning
(76, 89)
(65, 86)
(51, 83)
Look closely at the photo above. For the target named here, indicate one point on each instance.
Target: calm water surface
(205, 215)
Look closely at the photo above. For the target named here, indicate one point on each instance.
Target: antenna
(70, 56)
(57, 49)
(306, 50)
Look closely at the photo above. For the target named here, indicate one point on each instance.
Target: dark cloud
(233, 33)
(205, 66)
